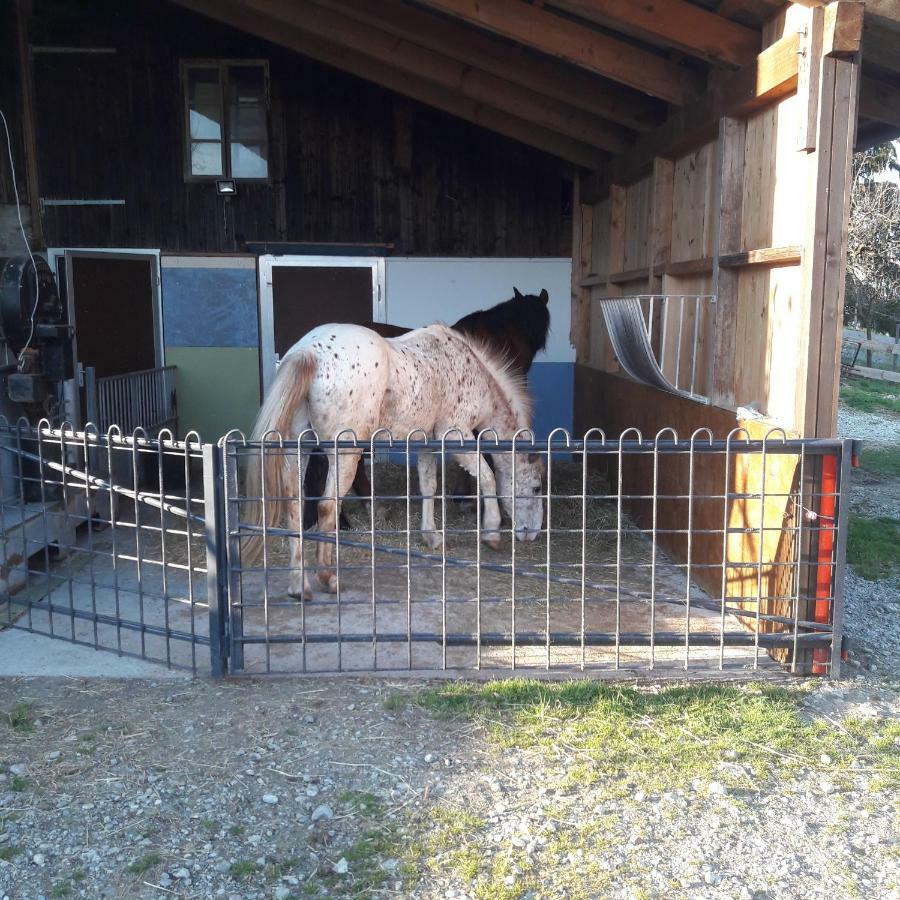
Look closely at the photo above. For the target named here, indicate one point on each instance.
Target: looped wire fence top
(659, 553)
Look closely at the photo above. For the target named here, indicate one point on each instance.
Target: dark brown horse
(516, 328)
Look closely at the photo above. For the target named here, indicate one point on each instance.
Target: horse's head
(528, 515)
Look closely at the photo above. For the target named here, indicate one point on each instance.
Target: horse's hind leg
(330, 509)
(299, 585)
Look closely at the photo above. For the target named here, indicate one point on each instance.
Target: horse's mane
(513, 385)
(528, 315)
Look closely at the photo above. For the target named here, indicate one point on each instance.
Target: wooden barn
(210, 178)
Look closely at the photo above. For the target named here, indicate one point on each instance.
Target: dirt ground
(344, 788)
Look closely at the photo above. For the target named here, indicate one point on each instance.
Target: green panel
(218, 388)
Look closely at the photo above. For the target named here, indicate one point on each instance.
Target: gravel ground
(290, 788)
(872, 608)
(866, 426)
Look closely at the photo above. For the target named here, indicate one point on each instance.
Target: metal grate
(144, 399)
(655, 554)
(103, 542)
(661, 554)
(662, 340)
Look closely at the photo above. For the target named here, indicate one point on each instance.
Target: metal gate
(660, 555)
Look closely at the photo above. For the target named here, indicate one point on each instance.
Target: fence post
(216, 558)
(842, 525)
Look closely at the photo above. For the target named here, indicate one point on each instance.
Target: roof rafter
(771, 75)
(673, 23)
(419, 61)
(537, 73)
(241, 16)
(578, 44)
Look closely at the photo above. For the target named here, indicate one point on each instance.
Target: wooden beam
(768, 257)
(808, 79)
(729, 222)
(425, 63)
(582, 242)
(773, 75)
(843, 29)
(240, 16)
(629, 275)
(579, 45)
(879, 101)
(449, 73)
(877, 374)
(26, 87)
(686, 267)
(547, 77)
(824, 262)
(673, 23)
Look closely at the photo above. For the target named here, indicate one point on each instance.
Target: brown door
(306, 296)
(112, 302)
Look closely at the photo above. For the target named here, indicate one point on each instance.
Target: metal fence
(662, 554)
(104, 542)
(143, 399)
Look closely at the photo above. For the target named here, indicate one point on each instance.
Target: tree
(873, 242)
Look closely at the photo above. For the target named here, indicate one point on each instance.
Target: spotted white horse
(433, 379)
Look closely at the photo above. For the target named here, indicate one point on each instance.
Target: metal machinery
(37, 338)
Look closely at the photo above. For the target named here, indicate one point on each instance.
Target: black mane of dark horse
(517, 328)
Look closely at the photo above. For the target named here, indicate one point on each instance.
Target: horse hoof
(492, 540)
(296, 595)
(432, 540)
(329, 581)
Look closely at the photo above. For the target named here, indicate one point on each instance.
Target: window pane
(247, 104)
(249, 160)
(206, 158)
(205, 104)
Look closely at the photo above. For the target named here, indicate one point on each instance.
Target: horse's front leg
(330, 509)
(427, 488)
(474, 463)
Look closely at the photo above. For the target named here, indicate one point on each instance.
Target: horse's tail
(287, 394)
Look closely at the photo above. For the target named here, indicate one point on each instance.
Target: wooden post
(824, 264)
(660, 229)
(582, 242)
(732, 134)
(23, 20)
(618, 201)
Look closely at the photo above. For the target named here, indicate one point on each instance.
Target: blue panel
(209, 307)
(552, 385)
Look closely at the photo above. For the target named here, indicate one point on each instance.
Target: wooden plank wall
(757, 217)
(751, 217)
(351, 162)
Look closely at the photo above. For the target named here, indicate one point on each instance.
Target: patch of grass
(8, 854)
(236, 831)
(78, 876)
(662, 740)
(20, 718)
(873, 546)
(61, 889)
(883, 462)
(242, 869)
(364, 802)
(870, 395)
(143, 863)
(277, 868)
(364, 858)
(18, 784)
(395, 702)
(209, 824)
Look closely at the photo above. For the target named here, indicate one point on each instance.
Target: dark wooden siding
(352, 162)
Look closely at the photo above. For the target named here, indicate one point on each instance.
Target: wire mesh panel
(634, 553)
(104, 541)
